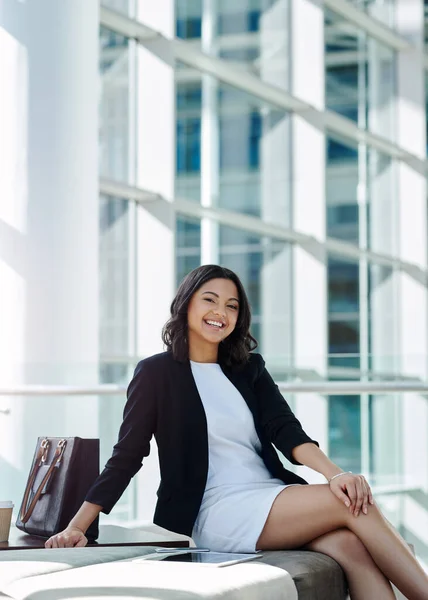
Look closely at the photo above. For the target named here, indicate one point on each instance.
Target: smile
(215, 324)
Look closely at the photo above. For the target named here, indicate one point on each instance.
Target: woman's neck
(203, 355)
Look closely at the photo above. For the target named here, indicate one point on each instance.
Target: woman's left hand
(354, 491)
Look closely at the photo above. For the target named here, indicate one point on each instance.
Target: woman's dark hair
(232, 351)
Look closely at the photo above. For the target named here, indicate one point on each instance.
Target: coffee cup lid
(6, 504)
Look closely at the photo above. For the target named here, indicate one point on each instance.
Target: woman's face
(213, 311)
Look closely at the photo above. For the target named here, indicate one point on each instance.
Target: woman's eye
(209, 299)
(234, 307)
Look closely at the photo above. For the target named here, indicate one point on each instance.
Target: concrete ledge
(315, 575)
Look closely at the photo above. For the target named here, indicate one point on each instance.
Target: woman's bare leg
(365, 579)
(302, 513)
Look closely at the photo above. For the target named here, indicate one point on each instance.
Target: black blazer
(163, 401)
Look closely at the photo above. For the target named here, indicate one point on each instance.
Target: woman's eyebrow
(217, 296)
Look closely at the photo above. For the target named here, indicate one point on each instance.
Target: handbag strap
(40, 459)
(27, 511)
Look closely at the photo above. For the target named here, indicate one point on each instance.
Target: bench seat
(60, 574)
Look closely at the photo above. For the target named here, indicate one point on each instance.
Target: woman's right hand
(71, 537)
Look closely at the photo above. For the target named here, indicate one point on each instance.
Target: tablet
(209, 559)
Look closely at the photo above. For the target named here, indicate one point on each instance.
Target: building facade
(284, 139)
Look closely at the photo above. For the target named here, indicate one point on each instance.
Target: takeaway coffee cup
(6, 508)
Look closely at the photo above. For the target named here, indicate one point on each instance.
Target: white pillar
(48, 221)
(400, 301)
(309, 214)
(209, 138)
(412, 247)
(276, 196)
(294, 296)
(156, 221)
(383, 233)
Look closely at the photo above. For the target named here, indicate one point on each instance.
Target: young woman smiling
(216, 413)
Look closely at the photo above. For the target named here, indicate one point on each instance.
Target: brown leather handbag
(62, 471)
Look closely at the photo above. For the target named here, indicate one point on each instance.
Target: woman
(215, 413)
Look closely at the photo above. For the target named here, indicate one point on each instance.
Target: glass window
(344, 337)
(383, 324)
(426, 74)
(343, 287)
(343, 314)
(115, 324)
(237, 21)
(344, 418)
(188, 133)
(114, 106)
(189, 28)
(124, 6)
(360, 76)
(251, 169)
(188, 19)
(116, 233)
(189, 97)
(231, 128)
(114, 276)
(385, 412)
(263, 265)
(361, 196)
(246, 54)
(381, 200)
(381, 10)
(188, 246)
(253, 33)
(117, 237)
(342, 181)
(188, 145)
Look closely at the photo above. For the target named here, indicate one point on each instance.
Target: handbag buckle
(61, 447)
(45, 446)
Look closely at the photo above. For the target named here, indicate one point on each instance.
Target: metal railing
(325, 388)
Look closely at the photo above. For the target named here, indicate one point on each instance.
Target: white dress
(240, 490)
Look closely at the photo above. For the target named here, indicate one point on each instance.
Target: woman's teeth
(214, 324)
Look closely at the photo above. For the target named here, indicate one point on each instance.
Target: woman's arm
(74, 534)
(277, 419)
(313, 457)
(133, 445)
(286, 433)
(352, 490)
(138, 426)
(85, 516)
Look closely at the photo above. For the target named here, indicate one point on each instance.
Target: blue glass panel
(342, 214)
(245, 54)
(343, 287)
(188, 28)
(345, 432)
(188, 247)
(189, 97)
(344, 337)
(240, 141)
(188, 145)
(337, 151)
(239, 22)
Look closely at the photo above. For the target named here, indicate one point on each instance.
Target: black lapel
(187, 394)
(240, 382)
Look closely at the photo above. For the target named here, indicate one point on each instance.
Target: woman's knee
(300, 514)
(343, 546)
(349, 546)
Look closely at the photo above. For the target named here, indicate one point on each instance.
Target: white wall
(48, 221)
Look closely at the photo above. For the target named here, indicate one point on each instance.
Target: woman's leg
(365, 579)
(302, 513)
